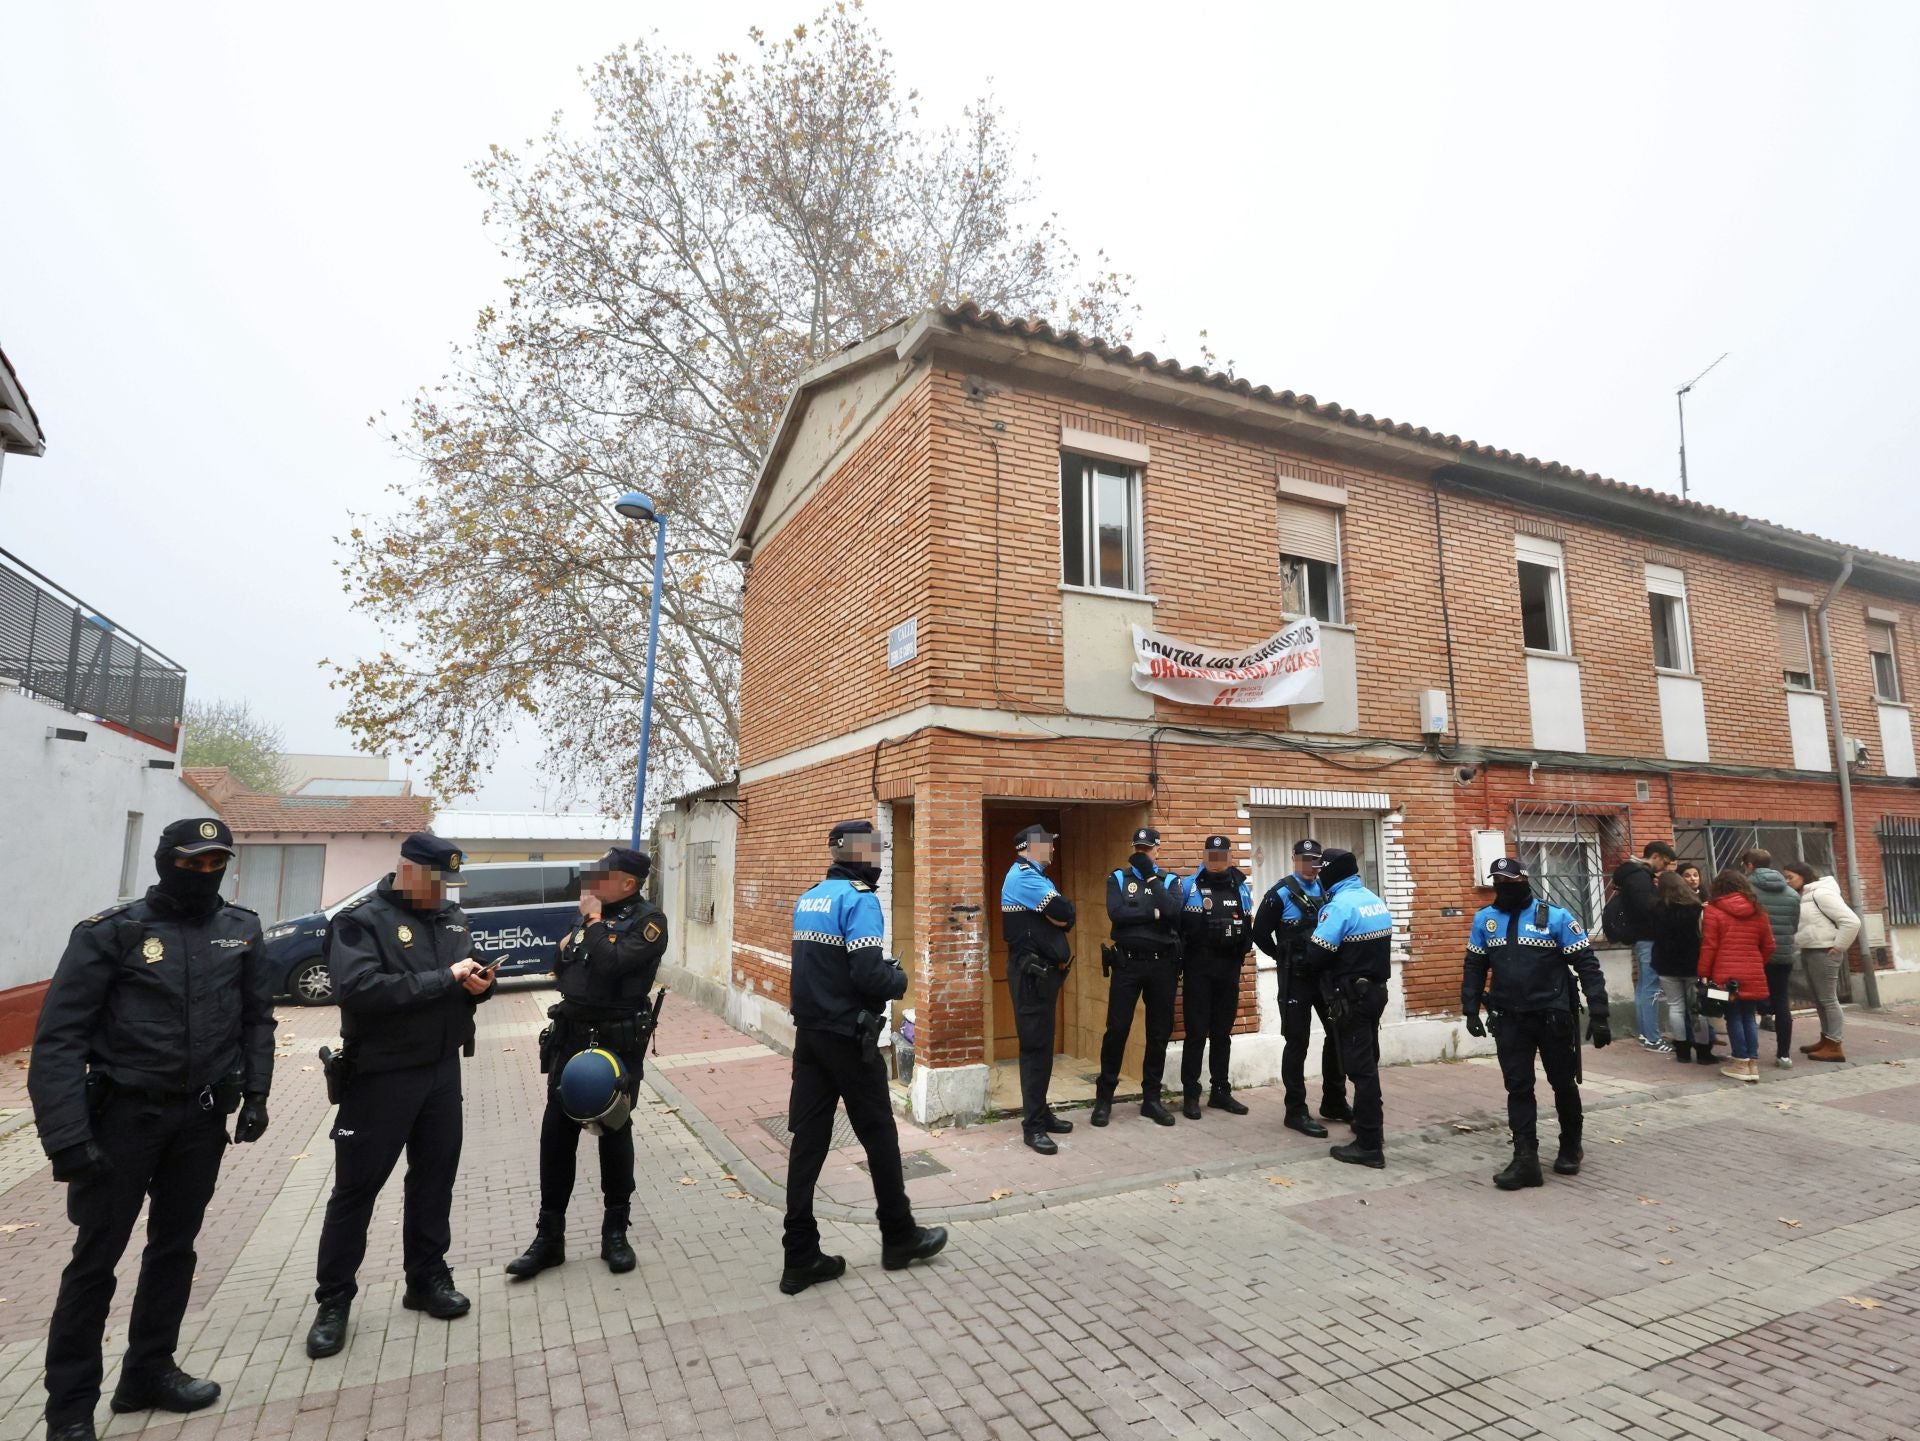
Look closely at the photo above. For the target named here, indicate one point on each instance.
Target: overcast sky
(230, 233)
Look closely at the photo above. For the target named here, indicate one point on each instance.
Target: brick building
(961, 518)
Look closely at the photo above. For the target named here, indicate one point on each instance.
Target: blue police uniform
(1218, 920)
(842, 981)
(1034, 918)
(1351, 951)
(1288, 913)
(1146, 906)
(1533, 952)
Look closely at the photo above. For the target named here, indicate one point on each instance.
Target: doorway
(1003, 823)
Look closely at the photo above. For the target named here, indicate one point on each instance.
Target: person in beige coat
(1827, 930)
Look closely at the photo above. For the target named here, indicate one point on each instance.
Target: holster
(547, 1047)
(337, 1068)
(1109, 957)
(226, 1094)
(99, 1090)
(867, 1025)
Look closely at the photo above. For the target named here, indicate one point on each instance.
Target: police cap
(1336, 866)
(1308, 848)
(619, 858)
(195, 836)
(1031, 834)
(424, 848)
(1507, 869)
(1219, 843)
(837, 837)
(1146, 836)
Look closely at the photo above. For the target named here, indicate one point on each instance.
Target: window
(1564, 864)
(1310, 561)
(1667, 609)
(561, 883)
(1275, 831)
(1796, 645)
(702, 866)
(130, 855)
(1100, 525)
(503, 886)
(1718, 845)
(1543, 596)
(1886, 673)
(279, 881)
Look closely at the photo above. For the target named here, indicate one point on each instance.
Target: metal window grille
(1570, 848)
(1899, 838)
(702, 864)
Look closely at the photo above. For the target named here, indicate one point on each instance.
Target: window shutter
(1309, 532)
(1795, 654)
(1880, 637)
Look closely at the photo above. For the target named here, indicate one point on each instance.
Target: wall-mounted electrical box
(1433, 712)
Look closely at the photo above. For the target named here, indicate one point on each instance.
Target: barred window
(702, 864)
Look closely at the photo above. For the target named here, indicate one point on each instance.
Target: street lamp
(635, 506)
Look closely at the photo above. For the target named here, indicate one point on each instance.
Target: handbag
(1715, 1000)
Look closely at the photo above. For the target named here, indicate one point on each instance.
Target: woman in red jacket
(1736, 938)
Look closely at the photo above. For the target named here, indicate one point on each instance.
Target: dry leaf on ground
(1666, 1261)
(688, 1181)
(998, 1195)
(1785, 1222)
(298, 1156)
(1615, 1141)
(1648, 1201)
(8, 1230)
(1865, 1303)
(1280, 1181)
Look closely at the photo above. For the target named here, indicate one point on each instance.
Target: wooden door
(1003, 823)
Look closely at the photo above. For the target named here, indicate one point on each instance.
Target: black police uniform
(1281, 928)
(1219, 933)
(605, 969)
(1035, 920)
(842, 982)
(404, 1020)
(1145, 905)
(1533, 951)
(156, 1023)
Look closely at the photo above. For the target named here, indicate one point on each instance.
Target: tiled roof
(972, 315)
(36, 443)
(251, 812)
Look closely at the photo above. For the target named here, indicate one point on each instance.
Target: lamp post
(636, 506)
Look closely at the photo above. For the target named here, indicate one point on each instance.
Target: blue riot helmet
(596, 1092)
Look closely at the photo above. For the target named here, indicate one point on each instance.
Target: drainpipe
(1855, 891)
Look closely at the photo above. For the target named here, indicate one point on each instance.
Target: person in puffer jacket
(1736, 939)
(1827, 930)
(1781, 902)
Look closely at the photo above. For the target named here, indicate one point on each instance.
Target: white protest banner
(1283, 669)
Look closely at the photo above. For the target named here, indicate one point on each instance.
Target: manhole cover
(776, 1127)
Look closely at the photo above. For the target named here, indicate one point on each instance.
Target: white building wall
(65, 805)
(700, 951)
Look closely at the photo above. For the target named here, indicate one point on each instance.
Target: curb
(762, 1187)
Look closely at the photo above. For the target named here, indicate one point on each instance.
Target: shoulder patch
(244, 910)
(354, 905)
(652, 930)
(108, 914)
(862, 886)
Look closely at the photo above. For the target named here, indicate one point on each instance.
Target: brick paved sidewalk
(1735, 1262)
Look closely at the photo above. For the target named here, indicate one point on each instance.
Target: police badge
(405, 933)
(208, 830)
(153, 949)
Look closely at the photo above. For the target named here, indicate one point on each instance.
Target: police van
(518, 912)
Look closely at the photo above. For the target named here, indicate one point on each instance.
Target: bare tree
(228, 733)
(712, 233)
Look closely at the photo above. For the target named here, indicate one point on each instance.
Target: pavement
(1735, 1261)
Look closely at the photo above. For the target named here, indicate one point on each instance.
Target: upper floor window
(1796, 645)
(1310, 561)
(1100, 525)
(1667, 609)
(1886, 670)
(1543, 594)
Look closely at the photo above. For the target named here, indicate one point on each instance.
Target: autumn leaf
(298, 1156)
(1785, 1222)
(1648, 1201)
(1865, 1303)
(8, 1230)
(1615, 1141)
(1280, 1181)
(688, 1181)
(1666, 1261)
(999, 1195)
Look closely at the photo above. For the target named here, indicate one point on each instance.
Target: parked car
(518, 912)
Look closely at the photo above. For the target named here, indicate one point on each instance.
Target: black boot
(1305, 1124)
(329, 1330)
(1155, 1112)
(927, 1243)
(1222, 1100)
(1567, 1163)
(1043, 1143)
(437, 1298)
(1524, 1169)
(1355, 1154)
(1683, 1051)
(1055, 1126)
(171, 1390)
(549, 1247)
(81, 1430)
(1335, 1110)
(795, 1279)
(1703, 1053)
(1102, 1110)
(614, 1249)
(1191, 1108)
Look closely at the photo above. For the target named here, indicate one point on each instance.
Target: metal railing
(1899, 838)
(55, 646)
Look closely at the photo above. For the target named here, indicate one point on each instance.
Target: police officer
(1219, 938)
(1146, 906)
(1534, 951)
(842, 982)
(1288, 913)
(1035, 919)
(1351, 955)
(402, 964)
(606, 967)
(157, 1025)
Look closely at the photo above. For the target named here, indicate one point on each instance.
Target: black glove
(252, 1124)
(1475, 1026)
(1599, 1029)
(84, 1161)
